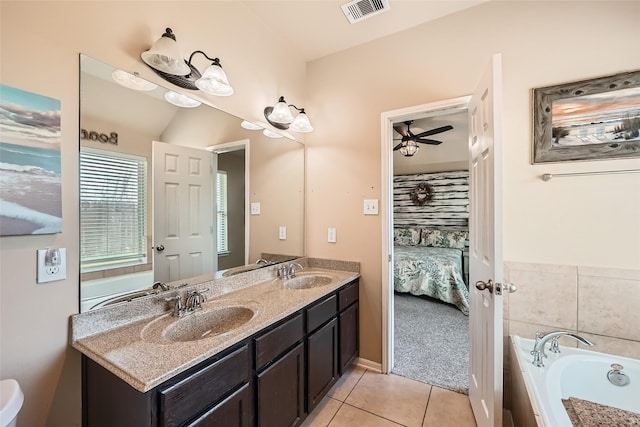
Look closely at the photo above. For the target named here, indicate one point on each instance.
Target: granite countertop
(124, 338)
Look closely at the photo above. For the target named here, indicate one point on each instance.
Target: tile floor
(365, 398)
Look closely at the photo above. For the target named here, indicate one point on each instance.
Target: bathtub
(575, 373)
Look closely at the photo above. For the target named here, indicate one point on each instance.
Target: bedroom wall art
(30, 168)
(587, 120)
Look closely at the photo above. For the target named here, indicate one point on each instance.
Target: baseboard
(368, 364)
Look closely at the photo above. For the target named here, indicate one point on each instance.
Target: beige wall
(571, 221)
(560, 222)
(41, 43)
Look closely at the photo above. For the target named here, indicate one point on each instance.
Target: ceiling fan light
(214, 81)
(165, 56)
(301, 123)
(132, 81)
(409, 149)
(281, 113)
(180, 100)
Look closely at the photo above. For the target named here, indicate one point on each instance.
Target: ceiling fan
(408, 145)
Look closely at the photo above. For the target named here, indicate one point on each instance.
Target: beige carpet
(431, 342)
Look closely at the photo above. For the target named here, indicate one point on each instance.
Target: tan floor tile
(348, 416)
(346, 383)
(390, 396)
(322, 414)
(448, 409)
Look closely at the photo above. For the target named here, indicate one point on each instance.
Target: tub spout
(538, 348)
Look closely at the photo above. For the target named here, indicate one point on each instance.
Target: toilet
(11, 399)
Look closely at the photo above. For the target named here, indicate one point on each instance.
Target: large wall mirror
(168, 193)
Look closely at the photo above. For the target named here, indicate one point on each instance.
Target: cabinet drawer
(320, 313)
(233, 411)
(348, 296)
(181, 401)
(276, 341)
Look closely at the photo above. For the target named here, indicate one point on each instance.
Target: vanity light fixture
(250, 126)
(280, 117)
(271, 134)
(180, 100)
(132, 81)
(165, 60)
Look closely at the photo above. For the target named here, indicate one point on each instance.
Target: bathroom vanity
(270, 370)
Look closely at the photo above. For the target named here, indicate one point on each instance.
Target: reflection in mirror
(168, 193)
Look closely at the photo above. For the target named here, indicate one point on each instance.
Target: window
(221, 202)
(113, 213)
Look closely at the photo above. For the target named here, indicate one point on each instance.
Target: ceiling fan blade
(434, 131)
(428, 141)
(400, 130)
(397, 147)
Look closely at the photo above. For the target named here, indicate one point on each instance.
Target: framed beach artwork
(30, 169)
(590, 119)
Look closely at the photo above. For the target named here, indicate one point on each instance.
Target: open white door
(184, 218)
(485, 248)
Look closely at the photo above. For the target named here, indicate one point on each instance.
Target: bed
(430, 263)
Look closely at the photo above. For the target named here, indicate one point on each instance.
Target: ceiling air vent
(358, 10)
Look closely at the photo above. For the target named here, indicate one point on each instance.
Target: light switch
(255, 208)
(331, 235)
(52, 264)
(371, 207)
(283, 232)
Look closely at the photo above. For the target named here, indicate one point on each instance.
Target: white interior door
(184, 218)
(485, 248)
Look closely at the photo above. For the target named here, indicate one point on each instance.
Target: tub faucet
(541, 339)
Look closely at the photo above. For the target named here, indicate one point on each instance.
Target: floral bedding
(434, 272)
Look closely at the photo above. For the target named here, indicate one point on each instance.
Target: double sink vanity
(260, 351)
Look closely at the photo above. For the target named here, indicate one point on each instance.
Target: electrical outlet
(283, 232)
(52, 265)
(331, 235)
(255, 208)
(371, 207)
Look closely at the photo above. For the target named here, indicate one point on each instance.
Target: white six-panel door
(184, 218)
(485, 248)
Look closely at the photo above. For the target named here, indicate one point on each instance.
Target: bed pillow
(406, 236)
(443, 238)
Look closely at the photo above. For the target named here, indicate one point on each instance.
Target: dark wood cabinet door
(234, 411)
(348, 336)
(280, 391)
(322, 362)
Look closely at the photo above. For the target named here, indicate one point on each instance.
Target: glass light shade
(250, 126)
(301, 124)
(409, 149)
(181, 100)
(132, 81)
(281, 113)
(271, 134)
(214, 81)
(165, 56)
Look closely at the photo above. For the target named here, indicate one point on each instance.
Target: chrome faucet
(163, 286)
(288, 272)
(262, 261)
(178, 308)
(541, 339)
(195, 300)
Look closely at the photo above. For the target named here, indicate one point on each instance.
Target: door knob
(481, 286)
(160, 248)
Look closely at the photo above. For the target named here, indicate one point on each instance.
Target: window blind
(113, 212)
(221, 202)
